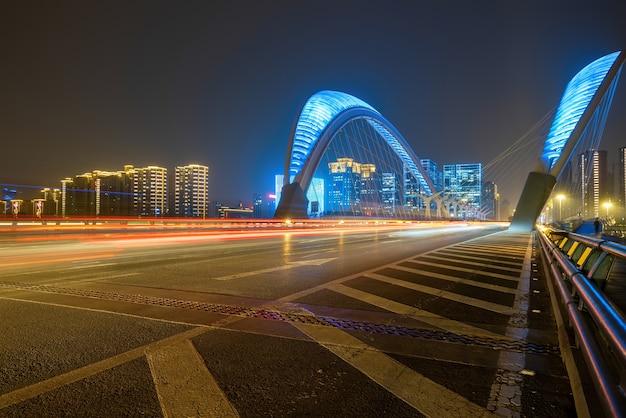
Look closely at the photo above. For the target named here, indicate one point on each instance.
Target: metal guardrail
(581, 266)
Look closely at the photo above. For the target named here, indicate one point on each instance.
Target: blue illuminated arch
(321, 118)
(575, 102)
(584, 105)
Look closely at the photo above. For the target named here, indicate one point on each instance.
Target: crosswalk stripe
(517, 269)
(428, 397)
(489, 306)
(459, 255)
(467, 270)
(415, 313)
(455, 279)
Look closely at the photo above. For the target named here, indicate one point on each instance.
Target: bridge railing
(581, 268)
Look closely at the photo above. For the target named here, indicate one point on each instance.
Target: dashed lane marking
(288, 266)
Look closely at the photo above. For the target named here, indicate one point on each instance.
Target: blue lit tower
(582, 112)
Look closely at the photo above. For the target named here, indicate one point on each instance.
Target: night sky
(99, 84)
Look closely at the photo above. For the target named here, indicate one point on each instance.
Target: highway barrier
(581, 267)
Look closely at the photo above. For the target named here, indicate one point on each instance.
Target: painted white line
(287, 266)
(183, 383)
(56, 382)
(454, 279)
(470, 270)
(421, 315)
(428, 397)
(488, 263)
(479, 303)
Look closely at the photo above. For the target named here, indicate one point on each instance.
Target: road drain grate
(345, 324)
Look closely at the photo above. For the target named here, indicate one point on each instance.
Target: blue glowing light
(578, 94)
(319, 112)
(401, 151)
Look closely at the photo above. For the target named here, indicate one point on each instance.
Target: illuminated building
(128, 192)
(149, 190)
(464, 182)
(191, 191)
(78, 196)
(390, 193)
(593, 180)
(50, 202)
(258, 206)
(432, 170)
(354, 188)
(344, 189)
(622, 182)
(491, 201)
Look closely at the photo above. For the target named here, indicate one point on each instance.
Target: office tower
(491, 201)
(354, 187)
(345, 185)
(390, 193)
(463, 184)
(191, 191)
(432, 169)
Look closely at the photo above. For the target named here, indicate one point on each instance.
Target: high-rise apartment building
(191, 191)
(594, 181)
(149, 186)
(621, 194)
(128, 192)
(464, 183)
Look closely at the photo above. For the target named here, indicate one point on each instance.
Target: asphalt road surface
(395, 320)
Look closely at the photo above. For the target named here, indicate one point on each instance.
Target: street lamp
(560, 197)
(607, 205)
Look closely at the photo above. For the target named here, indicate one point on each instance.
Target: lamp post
(607, 205)
(560, 197)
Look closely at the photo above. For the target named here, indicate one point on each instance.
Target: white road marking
(184, 385)
(421, 393)
(287, 266)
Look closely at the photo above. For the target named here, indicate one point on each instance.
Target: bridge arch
(582, 112)
(322, 117)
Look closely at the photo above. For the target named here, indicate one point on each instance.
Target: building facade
(491, 201)
(150, 190)
(191, 191)
(463, 183)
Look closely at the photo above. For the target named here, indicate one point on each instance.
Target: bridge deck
(466, 329)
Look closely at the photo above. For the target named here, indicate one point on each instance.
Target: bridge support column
(534, 196)
(293, 203)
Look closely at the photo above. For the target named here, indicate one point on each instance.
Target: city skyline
(98, 85)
